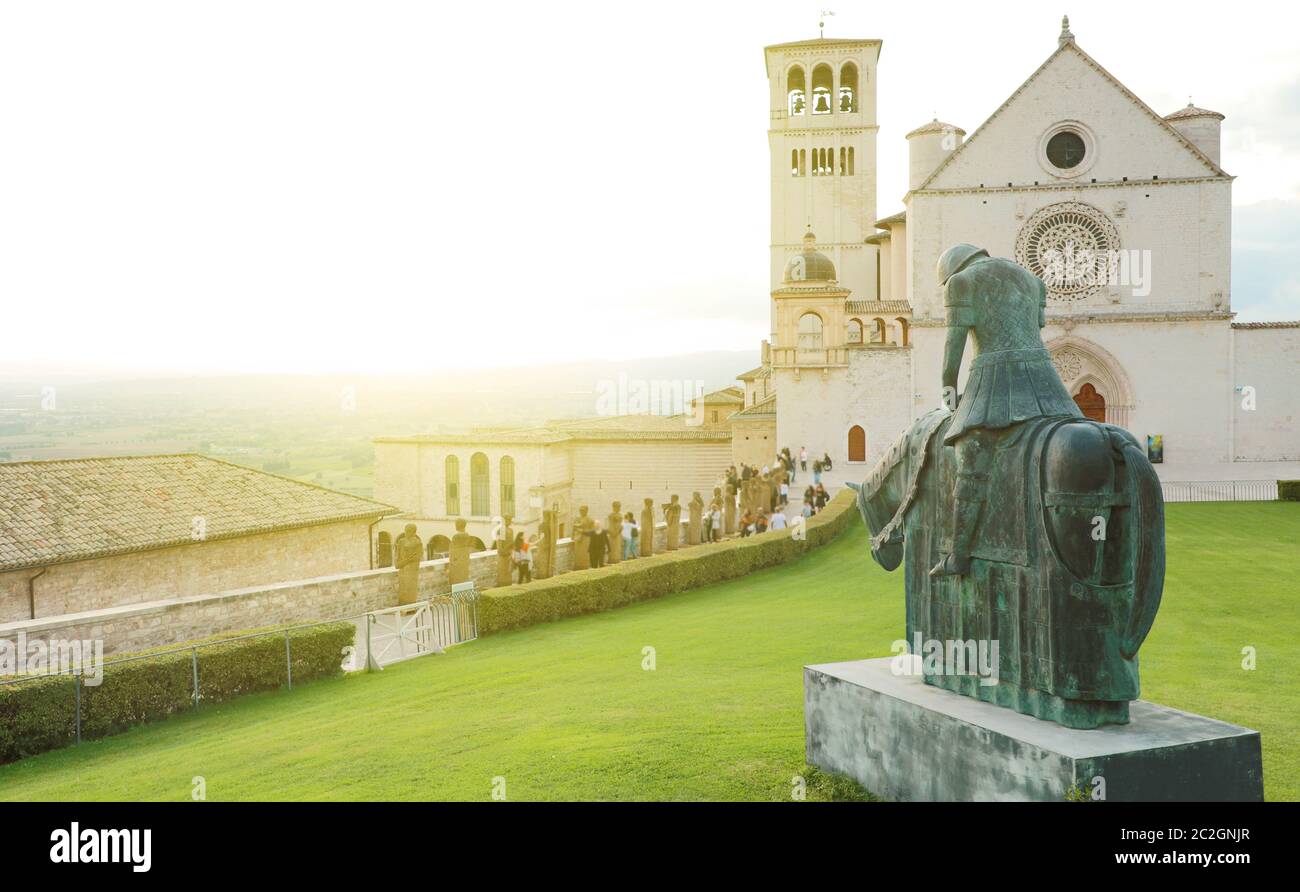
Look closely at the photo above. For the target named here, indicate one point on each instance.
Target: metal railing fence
(1219, 490)
(449, 619)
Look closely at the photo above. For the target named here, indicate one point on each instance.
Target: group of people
(598, 543)
(786, 459)
(785, 469)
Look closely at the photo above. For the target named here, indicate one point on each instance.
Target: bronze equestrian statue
(1055, 549)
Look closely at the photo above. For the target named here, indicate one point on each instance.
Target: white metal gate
(425, 627)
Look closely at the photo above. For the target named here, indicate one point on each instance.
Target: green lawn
(566, 711)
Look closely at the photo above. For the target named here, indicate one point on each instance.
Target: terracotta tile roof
(68, 510)
(825, 42)
(732, 396)
(1191, 111)
(935, 126)
(867, 307)
(764, 408)
(684, 433)
(526, 436)
(606, 427)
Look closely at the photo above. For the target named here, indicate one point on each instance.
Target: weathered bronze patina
(1017, 520)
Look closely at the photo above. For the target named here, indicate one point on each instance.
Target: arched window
(850, 161)
(452, 470)
(902, 330)
(480, 493)
(878, 333)
(794, 162)
(822, 81)
(803, 162)
(849, 87)
(855, 331)
(507, 486)
(384, 550)
(810, 332)
(796, 91)
(857, 443)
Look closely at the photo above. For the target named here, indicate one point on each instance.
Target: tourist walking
(629, 536)
(522, 557)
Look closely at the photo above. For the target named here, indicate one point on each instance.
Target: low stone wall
(150, 624)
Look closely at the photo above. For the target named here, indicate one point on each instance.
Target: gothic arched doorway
(1091, 403)
(857, 443)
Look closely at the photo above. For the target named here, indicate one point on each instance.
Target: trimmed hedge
(591, 591)
(1288, 490)
(41, 714)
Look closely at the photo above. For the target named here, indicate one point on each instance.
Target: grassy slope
(565, 711)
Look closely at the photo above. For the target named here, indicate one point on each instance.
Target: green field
(566, 711)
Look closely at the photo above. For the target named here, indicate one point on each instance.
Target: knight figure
(1001, 306)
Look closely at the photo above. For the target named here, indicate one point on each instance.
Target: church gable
(1123, 137)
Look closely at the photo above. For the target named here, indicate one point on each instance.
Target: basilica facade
(1124, 213)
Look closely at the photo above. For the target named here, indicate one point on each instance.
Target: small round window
(1065, 150)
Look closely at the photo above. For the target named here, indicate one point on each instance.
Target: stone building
(1125, 214)
(438, 479)
(86, 534)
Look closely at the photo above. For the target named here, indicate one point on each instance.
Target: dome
(810, 265)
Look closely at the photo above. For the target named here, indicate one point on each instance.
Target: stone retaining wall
(158, 623)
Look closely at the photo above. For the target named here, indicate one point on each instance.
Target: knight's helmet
(957, 258)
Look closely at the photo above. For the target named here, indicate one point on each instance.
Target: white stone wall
(1180, 379)
(817, 411)
(1130, 142)
(753, 443)
(1185, 227)
(1267, 359)
(1165, 360)
(636, 470)
(413, 476)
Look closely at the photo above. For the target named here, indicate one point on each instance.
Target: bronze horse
(1068, 561)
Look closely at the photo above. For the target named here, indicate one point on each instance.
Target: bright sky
(326, 186)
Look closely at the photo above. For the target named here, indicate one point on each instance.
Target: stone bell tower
(822, 138)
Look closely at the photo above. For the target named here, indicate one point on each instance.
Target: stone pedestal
(905, 740)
